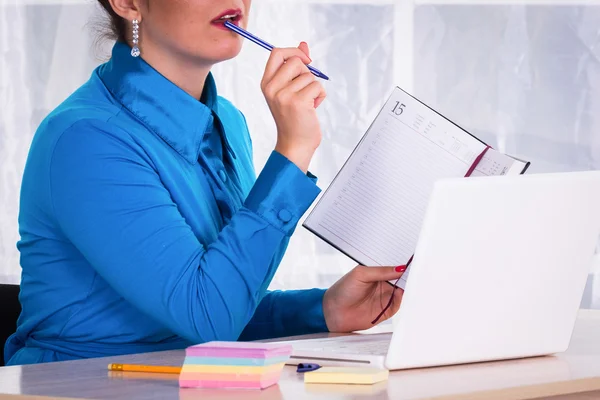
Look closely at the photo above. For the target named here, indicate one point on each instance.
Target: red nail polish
(401, 268)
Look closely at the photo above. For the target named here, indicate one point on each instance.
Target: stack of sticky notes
(233, 365)
(347, 375)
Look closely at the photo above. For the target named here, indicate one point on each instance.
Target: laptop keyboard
(376, 345)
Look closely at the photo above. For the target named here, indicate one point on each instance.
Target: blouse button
(223, 175)
(285, 215)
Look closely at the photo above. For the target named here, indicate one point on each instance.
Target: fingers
(301, 82)
(308, 88)
(398, 293)
(287, 71)
(304, 87)
(280, 56)
(314, 91)
(319, 100)
(304, 48)
(386, 294)
(378, 274)
(292, 69)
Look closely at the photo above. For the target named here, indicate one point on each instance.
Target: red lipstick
(232, 15)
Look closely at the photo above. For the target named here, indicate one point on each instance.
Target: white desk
(578, 370)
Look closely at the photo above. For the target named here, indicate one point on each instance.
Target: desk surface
(577, 370)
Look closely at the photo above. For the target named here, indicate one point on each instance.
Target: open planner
(374, 208)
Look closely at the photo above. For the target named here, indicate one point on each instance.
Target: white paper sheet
(374, 209)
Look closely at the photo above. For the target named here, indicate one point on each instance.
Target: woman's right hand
(293, 95)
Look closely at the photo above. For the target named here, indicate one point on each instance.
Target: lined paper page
(496, 163)
(374, 209)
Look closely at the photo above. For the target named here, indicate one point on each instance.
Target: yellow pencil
(144, 368)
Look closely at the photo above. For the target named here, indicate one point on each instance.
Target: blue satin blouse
(143, 226)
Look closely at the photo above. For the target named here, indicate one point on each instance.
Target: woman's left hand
(354, 301)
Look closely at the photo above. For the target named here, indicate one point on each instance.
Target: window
(522, 75)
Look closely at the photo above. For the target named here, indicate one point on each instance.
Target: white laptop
(499, 273)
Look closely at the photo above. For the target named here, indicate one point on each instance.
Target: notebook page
(493, 163)
(374, 209)
(496, 163)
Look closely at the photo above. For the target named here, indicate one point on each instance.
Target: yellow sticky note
(347, 375)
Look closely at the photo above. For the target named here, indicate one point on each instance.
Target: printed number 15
(398, 108)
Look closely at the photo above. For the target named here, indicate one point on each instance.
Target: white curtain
(525, 78)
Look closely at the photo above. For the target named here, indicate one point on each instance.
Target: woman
(143, 226)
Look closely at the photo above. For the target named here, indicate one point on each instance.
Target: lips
(233, 16)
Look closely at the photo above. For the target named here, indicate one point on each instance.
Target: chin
(224, 53)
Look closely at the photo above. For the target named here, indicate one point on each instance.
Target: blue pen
(267, 46)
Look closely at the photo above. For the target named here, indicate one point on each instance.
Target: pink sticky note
(231, 384)
(239, 350)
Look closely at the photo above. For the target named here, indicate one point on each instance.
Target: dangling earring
(135, 51)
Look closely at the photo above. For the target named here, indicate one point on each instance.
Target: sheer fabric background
(524, 77)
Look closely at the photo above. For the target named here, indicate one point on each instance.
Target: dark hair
(118, 26)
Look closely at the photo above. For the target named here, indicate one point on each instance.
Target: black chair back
(10, 309)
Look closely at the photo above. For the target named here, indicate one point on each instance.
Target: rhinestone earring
(135, 51)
